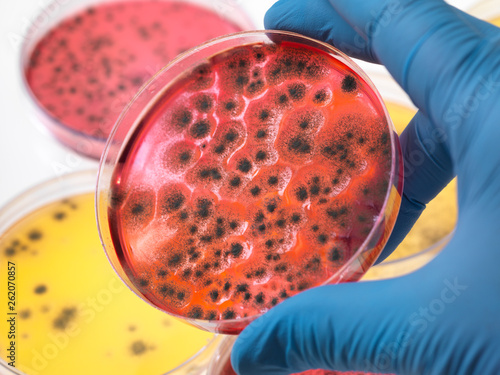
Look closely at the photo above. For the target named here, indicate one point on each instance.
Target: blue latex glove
(444, 318)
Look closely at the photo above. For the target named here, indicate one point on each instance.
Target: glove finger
(317, 19)
(428, 168)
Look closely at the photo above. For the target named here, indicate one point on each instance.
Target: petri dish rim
(63, 10)
(47, 192)
(176, 68)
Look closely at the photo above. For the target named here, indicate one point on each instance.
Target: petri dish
(253, 167)
(221, 363)
(83, 64)
(71, 313)
(437, 223)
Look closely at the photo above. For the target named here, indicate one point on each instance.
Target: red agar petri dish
(254, 167)
(83, 70)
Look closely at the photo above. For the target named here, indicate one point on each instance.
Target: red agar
(256, 176)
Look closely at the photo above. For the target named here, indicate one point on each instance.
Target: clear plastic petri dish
(253, 167)
(69, 313)
(83, 61)
(438, 220)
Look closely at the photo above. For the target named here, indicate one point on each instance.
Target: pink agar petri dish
(253, 167)
(82, 71)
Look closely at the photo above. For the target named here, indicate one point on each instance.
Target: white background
(28, 154)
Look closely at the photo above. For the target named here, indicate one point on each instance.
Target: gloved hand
(444, 318)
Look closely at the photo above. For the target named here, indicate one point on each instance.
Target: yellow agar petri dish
(71, 312)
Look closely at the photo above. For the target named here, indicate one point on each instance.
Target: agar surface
(270, 164)
(86, 69)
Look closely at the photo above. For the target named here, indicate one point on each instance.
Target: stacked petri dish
(91, 57)
(72, 314)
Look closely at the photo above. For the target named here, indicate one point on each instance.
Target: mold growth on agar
(90, 64)
(272, 186)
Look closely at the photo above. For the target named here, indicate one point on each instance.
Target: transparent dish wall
(115, 195)
(72, 314)
(83, 63)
